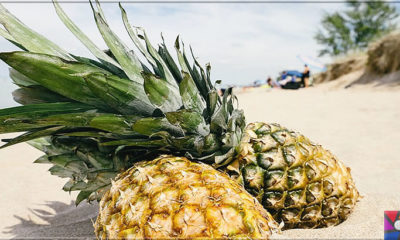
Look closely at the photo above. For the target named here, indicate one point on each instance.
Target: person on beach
(272, 83)
(286, 78)
(305, 76)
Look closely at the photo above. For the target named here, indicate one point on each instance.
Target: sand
(360, 126)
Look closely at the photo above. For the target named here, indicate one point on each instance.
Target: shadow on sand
(68, 222)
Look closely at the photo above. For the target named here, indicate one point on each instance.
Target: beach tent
(294, 73)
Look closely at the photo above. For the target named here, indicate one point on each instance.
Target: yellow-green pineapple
(295, 179)
(171, 197)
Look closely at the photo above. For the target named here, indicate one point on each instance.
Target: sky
(243, 42)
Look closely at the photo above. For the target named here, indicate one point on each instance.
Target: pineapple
(171, 197)
(95, 119)
(296, 180)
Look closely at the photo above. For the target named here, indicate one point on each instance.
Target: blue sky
(243, 42)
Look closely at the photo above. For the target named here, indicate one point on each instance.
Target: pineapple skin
(172, 197)
(297, 181)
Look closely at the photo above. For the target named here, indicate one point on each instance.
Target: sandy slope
(361, 126)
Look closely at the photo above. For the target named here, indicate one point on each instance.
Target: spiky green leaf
(56, 74)
(190, 94)
(97, 52)
(169, 61)
(190, 121)
(137, 143)
(185, 67)
(114, 123)
(21, 80)
(150, 126)
(126, 58)
(125, 96)
(37, 94)
(61, 172)
(28, 38)
(42, 159)
(161, 94)
(212, 101)
(32, 135)
(32, 117)
(135, 38)
(162, 67)
(82, 196)
(42, 110)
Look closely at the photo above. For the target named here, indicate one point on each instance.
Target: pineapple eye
(322, 165)
(328, 187)
(311, 213)
(294, 199)
(280, 136)
(283, 137)
(290, 159)
(275, 127)
(263, 130)
(291, 215)
(257, 146)
(345, 208)
(330, 206)
(296, 178)
(273, 199)
(290, 153)
(275, 180)
(331, 221)
(326, 212)
(253, 176)
(273, 159)
(347, 203)
(264, 160)
(310, 197)
(313, 192)
(310, 172)
(268, 143)
(303, 150)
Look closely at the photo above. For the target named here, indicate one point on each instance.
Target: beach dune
(360, 126)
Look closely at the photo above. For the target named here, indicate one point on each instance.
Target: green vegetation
(354, 28)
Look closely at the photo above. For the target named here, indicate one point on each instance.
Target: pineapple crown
(95, 118)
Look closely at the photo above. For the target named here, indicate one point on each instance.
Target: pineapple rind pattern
(297, 181)
(171, 197)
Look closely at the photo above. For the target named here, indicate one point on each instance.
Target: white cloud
(243, 42)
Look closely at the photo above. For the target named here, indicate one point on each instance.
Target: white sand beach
(361, 126)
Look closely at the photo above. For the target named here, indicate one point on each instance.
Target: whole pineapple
(172, 197)
(96, 118)
(296, 180)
